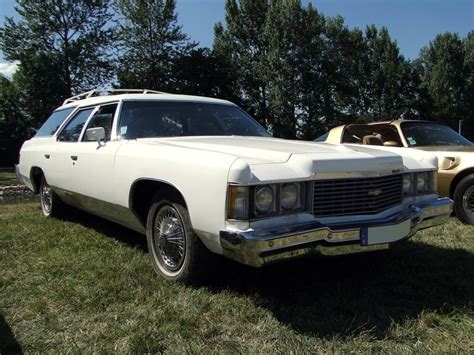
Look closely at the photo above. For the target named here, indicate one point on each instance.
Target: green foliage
(443, 76)
(202, 72)
(73, 34)
(150, 40)
(13, 125)
(243, 45)
(301, 73)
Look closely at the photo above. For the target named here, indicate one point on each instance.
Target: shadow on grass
(8, 343)
(110, 229)
(342, 296)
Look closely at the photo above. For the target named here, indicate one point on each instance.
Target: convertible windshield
(148, 119)
(423, 134)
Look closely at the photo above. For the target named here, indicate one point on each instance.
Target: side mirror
(95, 134)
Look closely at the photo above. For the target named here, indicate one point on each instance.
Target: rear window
(52, 124)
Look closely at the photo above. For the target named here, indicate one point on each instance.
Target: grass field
(7, 179)
(86, 285)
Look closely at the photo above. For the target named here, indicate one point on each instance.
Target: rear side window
(73, 129)
(52, 124)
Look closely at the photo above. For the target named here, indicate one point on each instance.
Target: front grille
(357, 196)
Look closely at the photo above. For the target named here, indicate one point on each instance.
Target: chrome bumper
(257, 248)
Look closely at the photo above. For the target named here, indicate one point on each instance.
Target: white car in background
(199, 175)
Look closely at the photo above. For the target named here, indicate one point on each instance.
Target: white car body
(102, 179)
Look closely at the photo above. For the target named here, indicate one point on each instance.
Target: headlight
(290, 196)
(407, 184)
(237, 202)
(421, 182)
(264, 199)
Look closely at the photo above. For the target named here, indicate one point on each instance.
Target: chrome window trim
(89, 119)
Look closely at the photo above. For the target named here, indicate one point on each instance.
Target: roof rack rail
(107, 92)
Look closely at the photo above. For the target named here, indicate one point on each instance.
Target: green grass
(7, 179)
(86, 285)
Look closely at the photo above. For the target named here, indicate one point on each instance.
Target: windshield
(148, 119)
(423, 134)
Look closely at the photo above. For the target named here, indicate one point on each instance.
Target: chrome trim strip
(110, 211)
(257, 248)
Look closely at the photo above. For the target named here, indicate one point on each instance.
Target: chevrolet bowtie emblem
(374, 193)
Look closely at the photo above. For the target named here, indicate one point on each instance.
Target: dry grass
(86, 285)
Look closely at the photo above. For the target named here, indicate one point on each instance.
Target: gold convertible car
(455, 153)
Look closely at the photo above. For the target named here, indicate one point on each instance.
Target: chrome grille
(357, 196)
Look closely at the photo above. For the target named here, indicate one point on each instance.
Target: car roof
(97, 100)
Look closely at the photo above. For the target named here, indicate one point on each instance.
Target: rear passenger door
(92, 174)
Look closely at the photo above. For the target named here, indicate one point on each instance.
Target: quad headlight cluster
(419, 183)
(249, 202)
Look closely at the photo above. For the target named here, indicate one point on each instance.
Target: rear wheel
(464, 199)
(176, 252)
(51, 205)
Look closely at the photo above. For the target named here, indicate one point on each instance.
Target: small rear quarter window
(52, 124)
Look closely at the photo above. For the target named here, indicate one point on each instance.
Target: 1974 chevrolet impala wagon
(199, 175)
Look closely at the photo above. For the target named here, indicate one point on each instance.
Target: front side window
(104, 117)
(52, 124)
(423, 134)
(73, 129)
(148, 119)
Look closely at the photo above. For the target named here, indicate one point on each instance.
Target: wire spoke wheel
(46, 197)
(169, 239)
(468, 201)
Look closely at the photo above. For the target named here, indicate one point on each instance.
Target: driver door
(92, 176)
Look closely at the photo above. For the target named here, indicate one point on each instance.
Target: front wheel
(176, 252)
(464, 199)
(50, 203)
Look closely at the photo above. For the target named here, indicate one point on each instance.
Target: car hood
(264, 159)
(262, 150)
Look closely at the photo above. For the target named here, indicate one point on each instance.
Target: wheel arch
(143, 192)
(457, 179)
(36, 174)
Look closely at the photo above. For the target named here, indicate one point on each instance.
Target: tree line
(298, 72)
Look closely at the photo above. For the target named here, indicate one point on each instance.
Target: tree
(284, 22)
(443, 77)
(468, 106)
(13, 124)
(73, 34)
(242, 45)
(40, 87)
(150, 40)
(385, 91)
(203, 72)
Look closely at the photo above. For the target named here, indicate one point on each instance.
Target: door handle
(74, 157)
(47, 156)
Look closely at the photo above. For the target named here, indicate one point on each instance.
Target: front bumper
(257, 248)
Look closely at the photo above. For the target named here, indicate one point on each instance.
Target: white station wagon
(199, 175)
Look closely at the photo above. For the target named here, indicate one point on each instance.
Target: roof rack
(107, 92)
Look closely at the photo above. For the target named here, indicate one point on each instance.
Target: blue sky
(412, 23)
